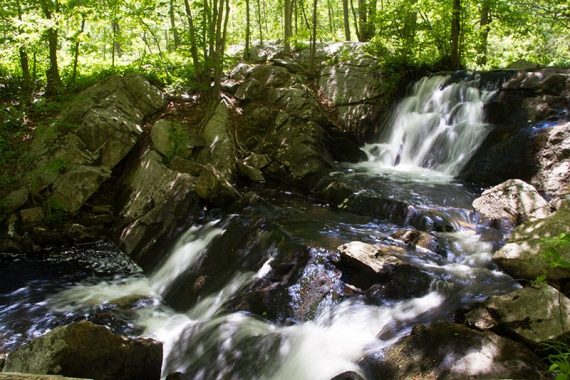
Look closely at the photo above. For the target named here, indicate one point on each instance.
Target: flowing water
(263, 293)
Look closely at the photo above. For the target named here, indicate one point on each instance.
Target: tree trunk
(356, 27)
(76, 49)
(362, 20)
(54, 84)
(345, 17)
(485, 21)
(173, 29)
(247, 31)
(455, 55)
(193, 42)
(259, 22)
(288, 25)
(312, 65)
(24, 60)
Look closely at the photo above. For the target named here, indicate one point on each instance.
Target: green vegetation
(67, 44)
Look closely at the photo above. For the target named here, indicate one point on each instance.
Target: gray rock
(417, 238)
(182, 165)
(451, 351)
(513, 200)
(220, 151)
(14, 200)
(29, 376)
(74, 187)
(376, 259)
(163, 138)
(83, 349)
(526, 255)
(553, 162)
(156, 201)
(32, 215)
(250, 172)
(213, 186)
(535, 315)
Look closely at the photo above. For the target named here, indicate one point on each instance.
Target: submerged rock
(83, 349)
(535, 248)
(513, 200)
(535, 315)
(452, 351)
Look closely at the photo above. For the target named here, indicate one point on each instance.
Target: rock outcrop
(513, 200)
(528, 255)
(83, 349)
(451, 351)
(531, 139)
(534, 315)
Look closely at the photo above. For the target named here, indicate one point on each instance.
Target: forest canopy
(59, 42)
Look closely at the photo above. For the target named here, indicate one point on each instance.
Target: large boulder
(530, 139)
(534, 315)
(513, 200)
(452, 351)
(86, 350)
(285, 124)
(69, 159)
(155, 201)
(358, 91)
(552, 164)
(535, 248)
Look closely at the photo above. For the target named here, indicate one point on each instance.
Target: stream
(261, 291)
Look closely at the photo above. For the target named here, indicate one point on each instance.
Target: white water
(434, 132)
(438, 127)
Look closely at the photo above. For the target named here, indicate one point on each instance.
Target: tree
(54, 84)
(484, 28)
(345, 19)
(455, 54)
(287, 25)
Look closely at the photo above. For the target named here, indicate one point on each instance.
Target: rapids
(259, 293)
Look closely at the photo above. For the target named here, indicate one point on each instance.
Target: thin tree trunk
(362, 21)
(356, 28)
(54, 84)
(345, 18)
(76, 49)
(259, 22)
(304, 13)
(331, 17)
(193, 42)
(455, 56)
(173, 29)
(485, 21)
(288, 25)
(24, 60)
(247, 30)
(313, 66)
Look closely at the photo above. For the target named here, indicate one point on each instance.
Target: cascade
(436, 130)
(438, 127)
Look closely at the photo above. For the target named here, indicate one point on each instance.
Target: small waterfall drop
(438, 127)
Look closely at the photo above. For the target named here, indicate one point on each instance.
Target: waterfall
(438, 127)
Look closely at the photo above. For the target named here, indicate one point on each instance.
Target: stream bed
(262, 291)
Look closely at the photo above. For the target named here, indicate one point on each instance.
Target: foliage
(559, 358)
(552, 247)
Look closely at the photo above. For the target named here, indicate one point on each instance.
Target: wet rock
(79, 233)
(383, 271)
(14, 200)
(214, 187)
(415, 238)
(513, 200)
(163, 139)
(371, 258)
(534, 315)
(460, 353)
(81, 348)
(349, 375)
(45, 236)
(155, 201)
(73, 188)
(528, 255)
